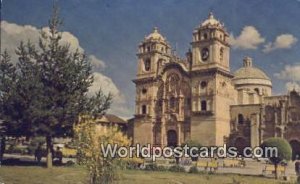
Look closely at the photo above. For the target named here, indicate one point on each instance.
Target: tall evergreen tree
(7, 77)
(51, 88)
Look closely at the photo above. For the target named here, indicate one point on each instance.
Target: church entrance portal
(296, 149)
(172, 138)
(240, 144)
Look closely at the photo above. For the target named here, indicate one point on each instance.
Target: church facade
(199, 98)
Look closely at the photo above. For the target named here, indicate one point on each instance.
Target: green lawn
(73, 175)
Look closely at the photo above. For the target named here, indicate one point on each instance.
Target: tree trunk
(276, 173)
(49, 152)
(2, 148)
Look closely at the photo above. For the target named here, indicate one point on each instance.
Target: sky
(109, 31)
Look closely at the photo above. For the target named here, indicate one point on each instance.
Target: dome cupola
(250, 72)
(155, 35)
(211, 21)
(251, 78)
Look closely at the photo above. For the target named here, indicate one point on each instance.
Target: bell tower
(153, 52)
(210, 47)
(212, 90)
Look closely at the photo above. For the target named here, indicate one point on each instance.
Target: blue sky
(110, 30)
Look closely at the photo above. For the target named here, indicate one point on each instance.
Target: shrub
(284, 151)
(151, 167)
(155, 167)
(162, 168)
(194, 169)
(203, 172)
(70, 163)
(176, 168)
(211, 172)
(102, 169)
(131, 166)
(133, 163)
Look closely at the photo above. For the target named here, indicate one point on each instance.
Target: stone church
(199, 98)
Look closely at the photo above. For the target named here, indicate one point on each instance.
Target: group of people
(38, 154)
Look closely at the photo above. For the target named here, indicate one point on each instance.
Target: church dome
(250, 74)
(155, 35)
(211, 21)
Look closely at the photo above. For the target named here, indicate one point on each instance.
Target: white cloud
(12, 34)
(97, 63)
(249, 38)
(290, 72)
(290, 86)
(106, 84)
(284, 41)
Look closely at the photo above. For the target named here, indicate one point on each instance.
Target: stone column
(276, 118)
(152, 133)
(283, 112)
(254, 130)
(181, 107)
(283, 132)
(163, 134)
(261, 125)
(178, 133)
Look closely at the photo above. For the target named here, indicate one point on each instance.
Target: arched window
(205, 36)
(256, 90)
(203, 105)
(240, 119)
(147, 64)
(144, 109)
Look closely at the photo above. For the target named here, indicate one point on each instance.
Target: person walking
(38, 154)
(59, 155)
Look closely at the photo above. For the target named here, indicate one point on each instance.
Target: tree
(7, 81)
(50, 89)
(102, 169)
(284, 151)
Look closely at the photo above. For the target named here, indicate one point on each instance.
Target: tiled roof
(110, 118)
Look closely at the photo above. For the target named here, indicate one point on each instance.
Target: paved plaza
(253, 167)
